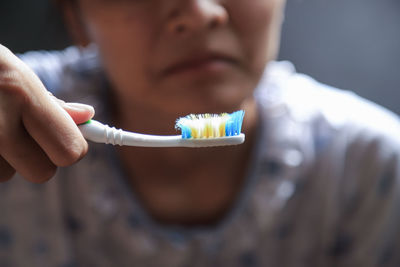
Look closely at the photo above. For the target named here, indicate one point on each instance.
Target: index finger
(53, 129)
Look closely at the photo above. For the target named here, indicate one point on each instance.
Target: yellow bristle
(208, 129)
(195, 133)
(222, 129)
(215, 130)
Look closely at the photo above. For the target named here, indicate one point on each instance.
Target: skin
(36, 133)
(140, 42)
(166, 59)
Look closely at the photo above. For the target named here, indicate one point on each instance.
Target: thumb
(80, 113)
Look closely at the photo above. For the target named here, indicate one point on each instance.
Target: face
(183, 56)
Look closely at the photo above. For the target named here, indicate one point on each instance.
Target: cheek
(258, 25)
(125, 57)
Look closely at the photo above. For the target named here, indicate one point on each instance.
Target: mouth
(207, 64)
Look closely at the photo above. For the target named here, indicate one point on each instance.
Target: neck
(184, 185)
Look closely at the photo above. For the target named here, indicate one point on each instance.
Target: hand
(38, 132)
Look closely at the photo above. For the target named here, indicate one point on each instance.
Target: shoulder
(352, 140)
(333, 130)
(310, 102)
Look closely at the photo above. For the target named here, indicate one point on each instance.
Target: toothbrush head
(205, 126)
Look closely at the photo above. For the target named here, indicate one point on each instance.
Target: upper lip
(197, 60)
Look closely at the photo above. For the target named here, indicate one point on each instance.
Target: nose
(192, 15)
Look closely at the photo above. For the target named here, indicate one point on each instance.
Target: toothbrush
(204, 130)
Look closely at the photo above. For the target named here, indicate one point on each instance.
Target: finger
(53, 128)
(43, 118)
(25, 156)
(79, 113)
(6, 171)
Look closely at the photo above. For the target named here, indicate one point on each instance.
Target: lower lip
(209, 67)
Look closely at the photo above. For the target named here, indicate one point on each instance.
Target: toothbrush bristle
(210, 125)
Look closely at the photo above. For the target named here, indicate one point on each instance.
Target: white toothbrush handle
(100, 133)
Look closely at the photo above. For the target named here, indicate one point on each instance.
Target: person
(316, 182)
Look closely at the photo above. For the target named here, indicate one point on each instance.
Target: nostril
(219, 17)
(180, 28)
(178, 23)
(214, 24)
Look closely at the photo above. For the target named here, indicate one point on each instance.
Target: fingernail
(79, 107)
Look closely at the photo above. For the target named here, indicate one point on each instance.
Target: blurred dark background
(350, 44)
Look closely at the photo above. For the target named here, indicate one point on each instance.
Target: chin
(210, 105)
(208, 97)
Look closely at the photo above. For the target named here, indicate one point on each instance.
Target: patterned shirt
(322, 188)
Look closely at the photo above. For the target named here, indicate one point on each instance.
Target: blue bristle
(186, 131)
(234, 124)
(239, 121)
(229, 127)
